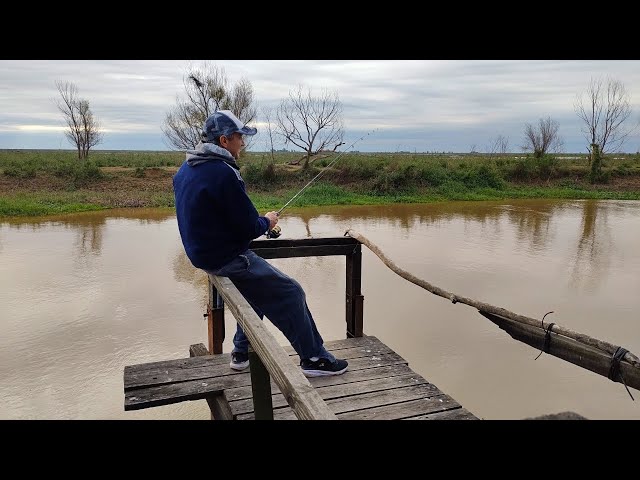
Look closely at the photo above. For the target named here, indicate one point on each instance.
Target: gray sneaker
(239, 360)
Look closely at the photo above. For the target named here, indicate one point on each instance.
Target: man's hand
(273, 219)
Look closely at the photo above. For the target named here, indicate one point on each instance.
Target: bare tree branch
(311, 123)
(266, 111)
(206, 90)
(542, 139)
(83, 129)
(499, 145)
(604, 109)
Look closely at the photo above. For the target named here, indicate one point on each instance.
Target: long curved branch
(455, 298)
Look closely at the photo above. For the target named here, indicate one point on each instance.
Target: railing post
(354, 298)
(260, 387)
(215, 319)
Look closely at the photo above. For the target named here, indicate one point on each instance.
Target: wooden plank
(351, 375)
(213, 366)
(353, 294)
(220, 408)
(303, 398)
(399, 411)
(303, 247)
(239, 407)
(368, 344)
(370, 352)
(144, 384)
(364, 401)
(136, 399)
(261, 398)
(302, 242)
(455, 414)
(199, 350)
(178, 363)
(133, 372)
(356, 367)
(311, 251)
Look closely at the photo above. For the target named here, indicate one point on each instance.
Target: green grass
(44, 204)
(356, 179)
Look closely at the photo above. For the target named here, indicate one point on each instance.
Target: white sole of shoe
(322, 373)
(239, 366)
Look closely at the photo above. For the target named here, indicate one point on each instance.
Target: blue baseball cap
(224, 122)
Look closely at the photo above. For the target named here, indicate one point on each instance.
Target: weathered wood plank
(303, 398)
(399, 411)
(150, 389)
(364, 401)
(261, 398)
(301, 242)
(372, 366)
(213, 366)
(303, 247)
(177, 364)
(305, 251)
(239, 407)
(368, 345)
(455, 414)
(350, 376)
(366, 351)
(136, 399)
(199, 350)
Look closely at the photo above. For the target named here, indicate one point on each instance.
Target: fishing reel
(274, 232)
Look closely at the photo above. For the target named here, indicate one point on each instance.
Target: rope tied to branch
(547, 336)
(614, 370)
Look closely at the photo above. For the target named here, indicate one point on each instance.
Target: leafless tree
(311, 123)
(500, 145)
(604, 109)
(542, 139)
(266, 111)
(83, 129)
(207, 90)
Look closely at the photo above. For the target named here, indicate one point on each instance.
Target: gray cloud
(414, 105)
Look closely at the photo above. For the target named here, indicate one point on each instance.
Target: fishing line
(275, 232)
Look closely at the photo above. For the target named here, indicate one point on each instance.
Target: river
(83, 295)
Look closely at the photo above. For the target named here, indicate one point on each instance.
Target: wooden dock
(379, 385)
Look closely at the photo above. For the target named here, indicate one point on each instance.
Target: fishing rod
(275, 232)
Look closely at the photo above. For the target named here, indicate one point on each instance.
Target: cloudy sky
(404, 105)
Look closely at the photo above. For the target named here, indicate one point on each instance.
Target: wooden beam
(215, 320)
(199, 350)
(260, 387)
(300, 394)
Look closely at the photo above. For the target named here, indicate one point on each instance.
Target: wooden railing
(267, 359)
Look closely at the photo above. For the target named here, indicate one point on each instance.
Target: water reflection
(593, 256)
(84, 295)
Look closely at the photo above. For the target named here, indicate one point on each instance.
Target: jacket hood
(206, 152)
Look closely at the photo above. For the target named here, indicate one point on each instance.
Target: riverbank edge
(48, 203)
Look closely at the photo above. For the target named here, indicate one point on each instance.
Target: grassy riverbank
(39, 182)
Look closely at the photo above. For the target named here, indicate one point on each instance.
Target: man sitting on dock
(217, 221)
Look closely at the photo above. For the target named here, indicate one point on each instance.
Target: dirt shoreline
(123, 187)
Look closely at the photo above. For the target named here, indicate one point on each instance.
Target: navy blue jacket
(216, 218)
